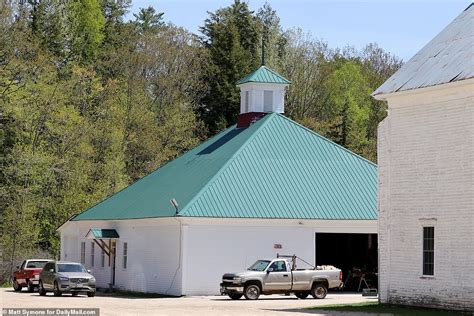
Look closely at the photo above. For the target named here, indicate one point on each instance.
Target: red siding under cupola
(247, 119)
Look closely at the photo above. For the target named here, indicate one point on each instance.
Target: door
(20, 275)
(278, 277)
(47, 276)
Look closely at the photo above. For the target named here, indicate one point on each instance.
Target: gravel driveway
(195, 305)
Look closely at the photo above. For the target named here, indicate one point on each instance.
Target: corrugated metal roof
(446, 58)
(275, 168)
(264, 75)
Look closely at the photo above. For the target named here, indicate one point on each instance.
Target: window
(92, 253)
(49, 266)
(102, 258)
(247, 101)
(428, 250)
(125, 254)
(260, 265)
(36, 264)
(83, 252)
(267, 101)
(278, 266)
(71, 267)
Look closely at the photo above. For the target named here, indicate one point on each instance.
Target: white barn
(426, 174)
(264, 186)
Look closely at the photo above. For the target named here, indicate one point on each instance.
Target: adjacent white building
(265, 186)
(426, 174)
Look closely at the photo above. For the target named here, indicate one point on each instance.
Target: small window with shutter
(125, 255)
(246, 102)
(267, 101)
(92, 253)
(83, 252)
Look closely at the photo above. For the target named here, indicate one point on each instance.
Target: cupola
(261, 92)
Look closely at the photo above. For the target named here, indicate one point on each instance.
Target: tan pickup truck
(280, 276)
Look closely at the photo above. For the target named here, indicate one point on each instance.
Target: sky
(400, 27)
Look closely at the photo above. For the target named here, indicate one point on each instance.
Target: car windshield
(36, 264)
(260, 265)
(71, 267)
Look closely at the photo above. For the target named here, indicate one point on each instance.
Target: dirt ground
(195, 305)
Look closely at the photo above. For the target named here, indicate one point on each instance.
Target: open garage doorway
(354, 254)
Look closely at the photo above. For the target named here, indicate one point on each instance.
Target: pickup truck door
(20, 274)
(278, 278)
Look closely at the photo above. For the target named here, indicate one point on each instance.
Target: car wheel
(302, 295)
(75, 293)
(57, 291)
(30, 286)
(91, 294)
(41, 289)
(319, 291)
(252, 292)
(17, 287)
(235, 296)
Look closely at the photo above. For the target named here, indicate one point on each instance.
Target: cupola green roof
(275, 169)
(264, 75)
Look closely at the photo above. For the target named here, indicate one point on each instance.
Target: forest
(93, 98)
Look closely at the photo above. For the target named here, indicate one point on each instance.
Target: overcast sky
(401, 27)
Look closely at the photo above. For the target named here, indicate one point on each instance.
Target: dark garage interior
(354, 254)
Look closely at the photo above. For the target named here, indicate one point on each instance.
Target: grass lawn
(375, 307)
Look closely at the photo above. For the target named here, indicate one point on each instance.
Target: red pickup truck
(27, 275)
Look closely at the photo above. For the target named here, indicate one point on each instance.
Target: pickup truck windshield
(67, 267)
(35, 264)
(260, 265)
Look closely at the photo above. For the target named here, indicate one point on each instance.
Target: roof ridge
(267, 119)
(328, 140)
(263, 69)
(275, 73)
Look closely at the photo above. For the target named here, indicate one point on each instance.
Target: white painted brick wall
(426, 177)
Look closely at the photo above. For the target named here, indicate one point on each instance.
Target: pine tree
(87, 25)
(232, 37)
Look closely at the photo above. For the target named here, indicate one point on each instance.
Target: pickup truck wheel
(30, 286)
(17, 287)
(319, 291)
(57, 291)
(252, 292)
(235, 296)
(302, 295)
(41, 289)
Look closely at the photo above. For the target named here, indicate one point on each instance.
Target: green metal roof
(264, 75)
(102, 233)
(275, 168)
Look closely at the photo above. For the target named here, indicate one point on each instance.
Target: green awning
(97, 233)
